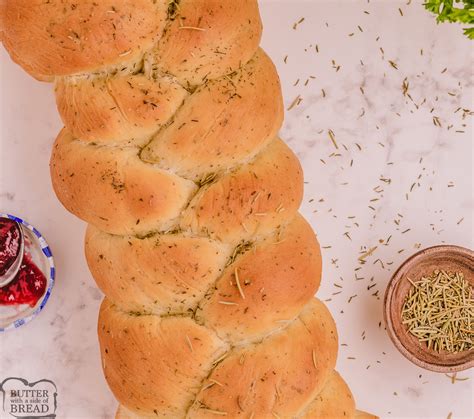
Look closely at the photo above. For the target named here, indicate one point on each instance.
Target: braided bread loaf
(170, 152)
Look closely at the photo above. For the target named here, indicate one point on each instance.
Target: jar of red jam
(27, 267)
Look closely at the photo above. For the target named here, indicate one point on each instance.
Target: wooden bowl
(423, 263)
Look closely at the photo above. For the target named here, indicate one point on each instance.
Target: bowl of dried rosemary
(429, 308)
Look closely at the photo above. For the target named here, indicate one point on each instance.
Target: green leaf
(455, 11)
(469, 32)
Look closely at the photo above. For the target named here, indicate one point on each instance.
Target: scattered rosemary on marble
(439, 311)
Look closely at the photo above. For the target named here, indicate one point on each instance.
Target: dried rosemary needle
(439, 311)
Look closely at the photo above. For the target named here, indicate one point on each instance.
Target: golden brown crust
(335, 401)
(208, 38)
(168, 273)
(165, 274)
(276, 376)
(133, 197)
(98, 170)
(224, 122)
(251, 201)
(273, 378)
(153, 364)
(129, 196)
(126, 108)
(276, 279)
(61, 37)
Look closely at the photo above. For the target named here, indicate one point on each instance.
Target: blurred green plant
(446, 11)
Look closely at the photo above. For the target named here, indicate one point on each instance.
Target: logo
(24, 400)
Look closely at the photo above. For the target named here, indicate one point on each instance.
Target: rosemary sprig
(207, 179)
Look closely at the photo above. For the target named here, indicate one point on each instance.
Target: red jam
(27, 287)
(9, 243)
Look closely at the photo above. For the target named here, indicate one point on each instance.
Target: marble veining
(379, 113)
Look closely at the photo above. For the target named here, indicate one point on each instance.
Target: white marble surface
(425, 199)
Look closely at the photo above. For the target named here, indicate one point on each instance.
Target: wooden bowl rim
(395, 279)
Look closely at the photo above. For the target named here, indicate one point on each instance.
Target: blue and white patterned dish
(12, 317)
